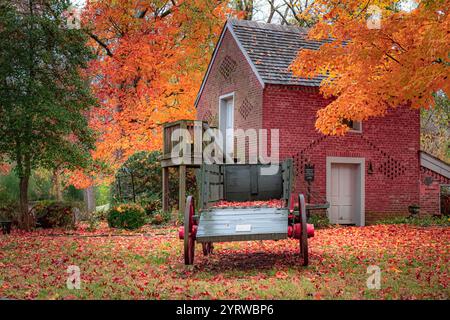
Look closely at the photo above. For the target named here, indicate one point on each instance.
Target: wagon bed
(242, 224)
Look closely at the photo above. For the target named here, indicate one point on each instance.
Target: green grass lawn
(148, 264)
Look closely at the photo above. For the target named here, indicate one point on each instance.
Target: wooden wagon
(239, 183)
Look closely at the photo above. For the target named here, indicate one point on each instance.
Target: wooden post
(182, 168)
(165, 189)
(198, 143)
(182, 189)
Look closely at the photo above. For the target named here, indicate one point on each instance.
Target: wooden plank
(243, 237)
(182, 189)
(170, 163)
(198, 198)
(212, 184)
(183, 137)
(288, 177)
(165, 145)
(165, 189)
(205, 187)
(222, 224)
(254, 173)
(198, 140)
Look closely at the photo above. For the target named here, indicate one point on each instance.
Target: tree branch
(101, 43)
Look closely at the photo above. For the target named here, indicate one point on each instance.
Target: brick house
(374, 171)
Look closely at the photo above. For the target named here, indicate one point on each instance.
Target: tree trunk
(26, 220)
(57, 185)
(89, 199)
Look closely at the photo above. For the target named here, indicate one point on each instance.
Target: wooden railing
(195, 128)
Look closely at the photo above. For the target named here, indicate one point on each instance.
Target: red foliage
(274, 203)
(149, 265)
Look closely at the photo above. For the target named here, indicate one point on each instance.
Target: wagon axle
(295, 231)
(192, 233)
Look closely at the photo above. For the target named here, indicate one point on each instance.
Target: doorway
(345, 190)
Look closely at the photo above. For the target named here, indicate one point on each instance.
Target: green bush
(319, 221)
(8, 211)
(423, 221)
(50, 214)
(126, 216)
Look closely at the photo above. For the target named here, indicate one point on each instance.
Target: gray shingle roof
(272, 48)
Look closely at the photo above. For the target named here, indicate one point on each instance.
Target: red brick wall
(430, 188)
(390, 143)
(242, 81)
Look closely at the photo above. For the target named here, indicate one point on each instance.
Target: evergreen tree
(44, 100)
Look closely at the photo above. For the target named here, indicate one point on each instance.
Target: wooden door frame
(361, 162)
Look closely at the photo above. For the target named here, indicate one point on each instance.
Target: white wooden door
(344, 193)
(229, 126)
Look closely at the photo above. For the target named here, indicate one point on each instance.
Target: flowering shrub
(126, 216)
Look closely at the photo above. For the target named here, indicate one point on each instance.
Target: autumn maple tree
(371, 69)
(151, 59)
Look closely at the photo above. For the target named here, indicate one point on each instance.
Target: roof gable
(269, 49)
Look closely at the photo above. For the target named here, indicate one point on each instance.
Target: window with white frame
(226, 122)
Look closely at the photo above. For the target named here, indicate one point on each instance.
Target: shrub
(161, 217)
(51, 214)
(126, 216)
(8, 211)
(94, 219)
(151, 206)
(101, 213)
(319, 221)
(423, 221)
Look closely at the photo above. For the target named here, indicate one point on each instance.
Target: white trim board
(434, 164)
(228, 26)
(362, 165)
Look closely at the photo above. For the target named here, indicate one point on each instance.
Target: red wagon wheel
(189, 241)
(304, 234)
